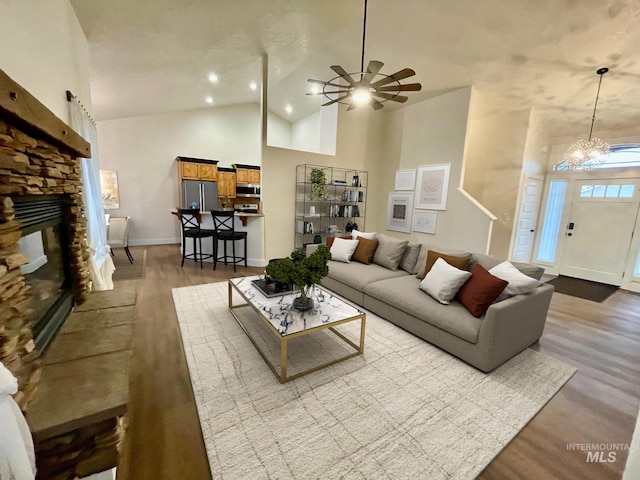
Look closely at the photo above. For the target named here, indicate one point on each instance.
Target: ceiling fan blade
(409, 87)
(322, 82)
(372, 69)
(404, 73)
(389, 96)
(343, 73)
(351, 107)
(328, 93)
(335, 100)
(376, 104)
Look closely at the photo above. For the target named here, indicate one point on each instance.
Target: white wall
(431, 132)
(278, 131)
(45, 51)
(357, 131)
(143, 151)
(305, 133)
(493, 167)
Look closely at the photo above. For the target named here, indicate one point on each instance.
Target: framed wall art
(399, 208)
(432, 186)
(110, 194)
(425, 222)
(405, 180)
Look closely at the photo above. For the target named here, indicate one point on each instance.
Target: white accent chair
(118, 235)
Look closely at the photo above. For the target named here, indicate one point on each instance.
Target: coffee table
(286, 323)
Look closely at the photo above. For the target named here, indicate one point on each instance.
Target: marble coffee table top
(278, 311)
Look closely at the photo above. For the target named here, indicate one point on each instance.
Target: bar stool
(190, 221)
(225, 231)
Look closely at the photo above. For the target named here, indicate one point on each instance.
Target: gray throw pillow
(389, 251)
(410, 257)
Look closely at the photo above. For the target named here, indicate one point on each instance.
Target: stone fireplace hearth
(39, 156)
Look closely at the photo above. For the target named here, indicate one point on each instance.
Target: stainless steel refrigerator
(199, 194)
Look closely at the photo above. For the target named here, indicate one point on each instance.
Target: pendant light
(588, 154)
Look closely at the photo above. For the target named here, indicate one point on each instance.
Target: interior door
(599, 231)
(527, 219)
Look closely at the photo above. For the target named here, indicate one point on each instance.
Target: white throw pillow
(519, 283)
(342, 249)
(368, 235)
(443, 281)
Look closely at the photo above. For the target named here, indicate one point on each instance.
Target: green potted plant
(303, 272)
(318, 181)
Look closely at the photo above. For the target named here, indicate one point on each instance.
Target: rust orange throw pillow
(480, 291)
(432, 256)
(365, 250)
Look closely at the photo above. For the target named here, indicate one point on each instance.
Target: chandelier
(588, 154)
(368, 87)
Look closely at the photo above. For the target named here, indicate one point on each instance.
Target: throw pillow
(331, 239)
(410, 257)
(421, 263)
(368, 235)
(443, 281)
(480, 291)
(432, 256)
(519, 283)
(488, 262)
(389, 251)
(365, 250)
(342, 249)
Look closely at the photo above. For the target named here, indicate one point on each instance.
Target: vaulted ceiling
(155, 56)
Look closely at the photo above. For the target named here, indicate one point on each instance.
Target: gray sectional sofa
(505, 329)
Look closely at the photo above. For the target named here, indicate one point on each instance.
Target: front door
(598, 233)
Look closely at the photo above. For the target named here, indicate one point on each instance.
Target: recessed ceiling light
(209, 99)
(288, 109)
(213, 78)
(253, 85)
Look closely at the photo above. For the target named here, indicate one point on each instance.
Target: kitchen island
(252, 223)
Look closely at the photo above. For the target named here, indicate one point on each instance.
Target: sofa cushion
(519, 283)
(342, 250)
(403, 293)
(489, 261)
(410, 257)
(365, 250)
(433, 256)
(480, 291)
(422, 258)
(359, 275)
(331, 239)
(368, 235)
(389, 251)
(443, 281)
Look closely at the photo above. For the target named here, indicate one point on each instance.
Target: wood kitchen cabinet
(197, 169)
(247, 174)
(226, 182)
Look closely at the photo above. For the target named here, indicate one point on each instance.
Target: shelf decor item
(318, 184)
(350, 226)
(303, 272)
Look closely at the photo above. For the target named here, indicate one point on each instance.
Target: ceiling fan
(368, 87)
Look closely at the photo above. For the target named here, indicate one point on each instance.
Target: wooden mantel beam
(26, 111)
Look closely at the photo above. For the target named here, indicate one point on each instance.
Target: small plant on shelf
(318, 184)
(303, 272)
(350, 226)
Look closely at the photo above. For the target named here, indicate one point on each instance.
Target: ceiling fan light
(361, 95)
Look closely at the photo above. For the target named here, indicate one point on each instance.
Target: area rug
(402, 410)
(576, 287)
(126, 270)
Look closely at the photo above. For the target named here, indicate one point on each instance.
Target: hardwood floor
(598, 405)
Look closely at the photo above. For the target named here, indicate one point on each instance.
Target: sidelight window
(552, 221)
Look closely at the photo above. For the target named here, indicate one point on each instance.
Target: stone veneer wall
(33, 166)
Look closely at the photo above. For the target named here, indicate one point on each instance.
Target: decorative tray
(270, 289)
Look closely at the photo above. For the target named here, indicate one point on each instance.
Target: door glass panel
(551, 223)
(612, 191)
(626, 191)
(586, 190)
(598, 191)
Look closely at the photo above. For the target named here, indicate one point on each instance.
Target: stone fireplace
(41, 213)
